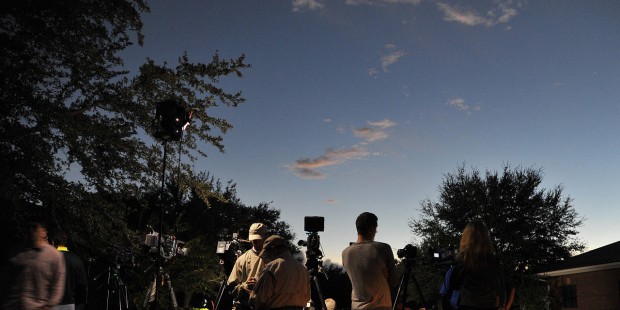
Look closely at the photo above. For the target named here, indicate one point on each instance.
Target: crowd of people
(474, 282)
(46, 275)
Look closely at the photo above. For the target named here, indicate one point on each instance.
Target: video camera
(228, 246)
(228, 249)
(442, 256)
(312, 225)
(171, 247)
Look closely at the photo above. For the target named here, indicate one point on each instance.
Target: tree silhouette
(531, 226)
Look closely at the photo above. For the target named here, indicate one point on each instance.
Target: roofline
(563, 272)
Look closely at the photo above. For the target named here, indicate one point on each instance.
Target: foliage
(202, 223)
(73, 144)
(533, 293)
(531, 227)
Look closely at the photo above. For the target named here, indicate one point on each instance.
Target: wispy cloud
(459, 104)
(373, 2)
(375, 131)
(384, 124)
(308, 168)
(502, 12)
(299, 5)
(391, 59)
(372, 72)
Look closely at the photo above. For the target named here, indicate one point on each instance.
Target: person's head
(273, 247)
(38, 233)
(59, 238)
(366, 224)
(257, 235)
(475, 246)
(330, 304)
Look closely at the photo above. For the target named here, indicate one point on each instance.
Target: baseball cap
(257, 231)
(272, 242)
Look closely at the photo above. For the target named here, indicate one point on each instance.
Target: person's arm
(511, 298)
(58, 282)
(263, 291)
(393, 276)
(235, 280)
(81, 283)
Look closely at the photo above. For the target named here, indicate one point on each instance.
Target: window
(569, 296)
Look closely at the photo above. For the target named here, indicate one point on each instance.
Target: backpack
(450, 290)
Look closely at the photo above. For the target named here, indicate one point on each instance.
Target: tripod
(221, 296)
(313, 264)
(150, 302)
(404, 282)
(116, 290)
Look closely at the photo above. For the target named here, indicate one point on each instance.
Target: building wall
(597, 290)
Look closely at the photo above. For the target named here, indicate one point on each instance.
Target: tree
(74, 122)
(202, 223)
(531, 227)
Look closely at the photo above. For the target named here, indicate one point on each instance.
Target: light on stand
(171, 119)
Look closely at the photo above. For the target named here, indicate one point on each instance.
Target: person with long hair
(477, 273)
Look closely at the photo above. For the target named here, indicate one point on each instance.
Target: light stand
(158, 263)
(171, 119)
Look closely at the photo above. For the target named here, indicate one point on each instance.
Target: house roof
(608, 254)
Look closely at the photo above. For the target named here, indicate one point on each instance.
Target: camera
(170, 248)
(314, 223)
(442, 256)
(225, 245)
(228, 249)
(409, 252)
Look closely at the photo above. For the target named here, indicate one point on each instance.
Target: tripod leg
(107, 299)
(220, 295)
(150, 293)
(124, 290)
(402, 287)
(419, 290)
(319, 292)
(173, 298)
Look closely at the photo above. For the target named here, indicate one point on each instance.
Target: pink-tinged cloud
(370, 134)
(306, 168)
(391, 59)
(375, 131)
(503, 12)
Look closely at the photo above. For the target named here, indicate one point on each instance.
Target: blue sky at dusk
(362, 105)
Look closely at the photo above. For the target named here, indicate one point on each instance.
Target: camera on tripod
(442, 256)
(228, 249)
(170, 246)
(312, 225)
(409, 252)
(227, 246)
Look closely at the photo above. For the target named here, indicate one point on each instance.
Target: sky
(365, 105)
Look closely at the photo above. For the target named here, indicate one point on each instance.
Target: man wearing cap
(284, 283)
(248, 266)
